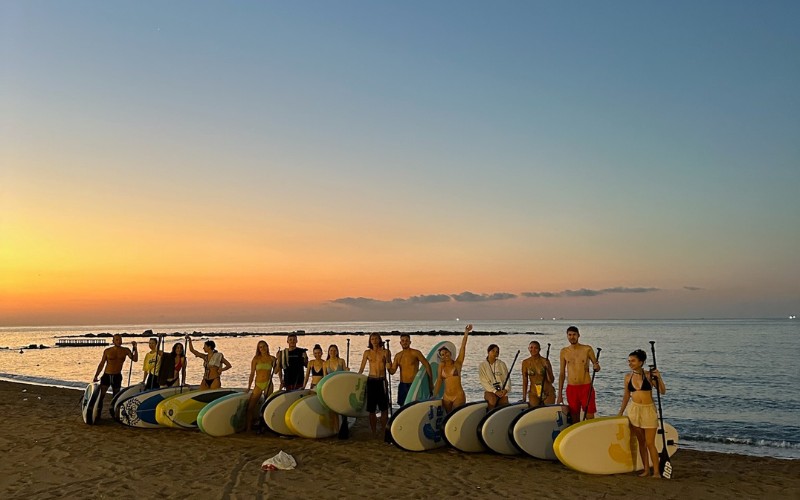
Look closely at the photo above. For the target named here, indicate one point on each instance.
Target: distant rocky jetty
(299, 333)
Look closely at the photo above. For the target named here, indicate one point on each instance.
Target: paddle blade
(344, 430)
(664, 465)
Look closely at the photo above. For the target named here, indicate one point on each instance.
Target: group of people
(295, 371)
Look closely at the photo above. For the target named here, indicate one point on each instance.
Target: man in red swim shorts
(575, 360)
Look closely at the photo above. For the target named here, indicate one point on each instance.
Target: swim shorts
(112, 380)
(643, 415)
(577, 397)
(377, 396)
(402, 392)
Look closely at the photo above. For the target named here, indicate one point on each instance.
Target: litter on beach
(281, 461)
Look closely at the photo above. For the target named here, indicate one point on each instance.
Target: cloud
(586, 292)
(474, 297)
(692, 288)
(414, 300)
(368, 303)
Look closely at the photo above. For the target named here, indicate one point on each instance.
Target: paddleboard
(417, 426)
(275, 407)
(344, 393)
(309, 419)
(90, 409)
(419, 390)
(224, 416)
(605, 446)
(461, 427)
(181, 410)
(139, 410)
(124, 394)
(493, 428)
(534, 430)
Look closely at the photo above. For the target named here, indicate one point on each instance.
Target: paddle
(591, 386)
(130, 370)
(509, 370)
(544, 377)
(344, 430)
(664, 465)
(387, 436)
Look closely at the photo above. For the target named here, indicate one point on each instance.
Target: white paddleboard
(275, 407)
(493, 428)
(344, 393)
(461, 427)
(534, 430)
(417, 426)
(181, 410)
(90, 409)
(309, 419)
(419, 390)
(124, 394)
(224, 416)
(605, 446)
(139, 410)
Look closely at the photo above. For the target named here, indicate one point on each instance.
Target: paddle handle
(510, 370)
(591, 386)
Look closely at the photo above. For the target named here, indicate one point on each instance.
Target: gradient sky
(193, 161)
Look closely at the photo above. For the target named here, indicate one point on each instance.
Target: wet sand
(48, 452)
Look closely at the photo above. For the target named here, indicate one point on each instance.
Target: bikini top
(315, 373)
(179, 364)
(264, 366)
(456, 372)
(646, 386)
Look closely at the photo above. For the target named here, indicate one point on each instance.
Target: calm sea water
(731, 383)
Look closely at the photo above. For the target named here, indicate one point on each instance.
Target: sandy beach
(50, 453)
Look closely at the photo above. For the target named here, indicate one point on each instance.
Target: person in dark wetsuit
(292, 364)
(642, 412)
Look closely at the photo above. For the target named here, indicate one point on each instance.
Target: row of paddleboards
(602, 445)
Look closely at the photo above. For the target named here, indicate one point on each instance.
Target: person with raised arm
(113, 360)
(574, 367)
(450, 375)
(638, 389)
(377, 386)
(408, 361)
(214, 363)
(538, 372)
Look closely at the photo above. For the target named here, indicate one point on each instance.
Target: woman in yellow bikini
(537, 371)
(450, 375)
(261, 369)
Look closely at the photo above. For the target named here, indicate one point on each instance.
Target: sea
(731, 384)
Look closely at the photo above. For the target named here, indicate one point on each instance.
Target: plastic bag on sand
(282, 461)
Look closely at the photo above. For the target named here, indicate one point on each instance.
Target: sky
(195, 161)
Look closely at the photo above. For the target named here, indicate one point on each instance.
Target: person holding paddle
(539, 372)
(638, 389)
(574, 361)
(377, 386)
(113, 359)
(490, 372)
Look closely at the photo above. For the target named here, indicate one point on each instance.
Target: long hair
(369, 341)
(258, 347)
(332, 346)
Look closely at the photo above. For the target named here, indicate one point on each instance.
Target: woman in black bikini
(642, 413)
(316, 368)
(213, 362)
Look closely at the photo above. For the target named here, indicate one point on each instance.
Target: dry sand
(48, 452)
